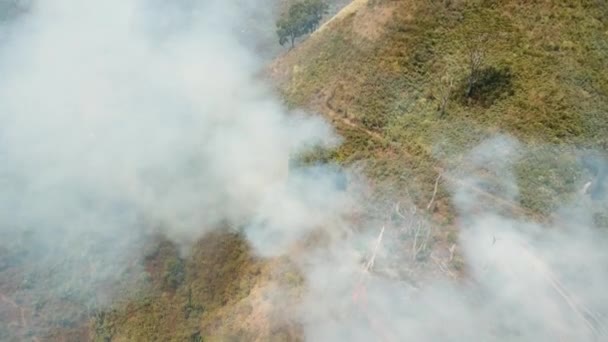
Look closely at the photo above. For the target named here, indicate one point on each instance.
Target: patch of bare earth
(370, 23)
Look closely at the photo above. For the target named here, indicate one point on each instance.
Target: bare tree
(445, 92)
(429, 207)
(421, 239)
(477, 48)
(416, 226)
(370, 264)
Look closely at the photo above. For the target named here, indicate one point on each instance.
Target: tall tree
(301, 18)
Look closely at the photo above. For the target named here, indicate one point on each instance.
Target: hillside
(379, 69)
(474, 136)
(385, 66)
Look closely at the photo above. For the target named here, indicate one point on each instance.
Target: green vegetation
(433, 79)
(301, 18)
(173, 273)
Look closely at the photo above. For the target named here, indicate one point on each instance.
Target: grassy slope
(217, 293)
(377, 72)
(388, 79)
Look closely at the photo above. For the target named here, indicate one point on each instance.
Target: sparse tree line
(303, 17)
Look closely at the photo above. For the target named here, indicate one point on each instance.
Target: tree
(477, 54)
(174, 272)
(315, 10)
(445, 92)
(301, 18)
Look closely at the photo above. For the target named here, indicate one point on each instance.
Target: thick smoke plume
(122, 118)
(119, 119)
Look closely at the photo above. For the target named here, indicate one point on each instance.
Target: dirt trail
(504, 203)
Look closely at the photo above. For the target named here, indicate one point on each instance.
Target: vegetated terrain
(386, 67)
(213, 295)
(394, 76)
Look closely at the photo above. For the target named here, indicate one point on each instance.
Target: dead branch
(428, 207)
(414, 250)
(408, 221)
(442, 266)
(398, 212)
(417, 249)
(445, 92)
(452, 249)
(586, 187)
(371, 261)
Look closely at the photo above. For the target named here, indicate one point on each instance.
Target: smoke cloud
(119, 119)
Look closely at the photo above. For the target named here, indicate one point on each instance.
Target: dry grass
(376, 70)
(388, 80)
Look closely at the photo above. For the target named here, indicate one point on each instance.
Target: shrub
(174, 272)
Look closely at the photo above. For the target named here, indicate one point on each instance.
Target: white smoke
(524, 280)
(121, 118)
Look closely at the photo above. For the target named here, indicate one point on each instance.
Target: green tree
(315, 10)
(174, 272)
(292, 25)
(301, 18)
